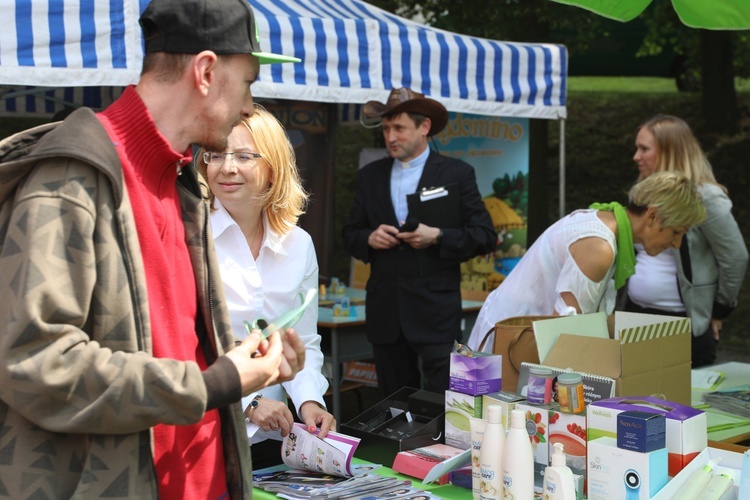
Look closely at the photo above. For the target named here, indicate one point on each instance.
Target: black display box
(384, 432)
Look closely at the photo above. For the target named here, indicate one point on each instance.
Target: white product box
(686, 434)
(617, 473)
(570, 430)
(458, 408)
(506, 400)
(537, 425)
(730, 464)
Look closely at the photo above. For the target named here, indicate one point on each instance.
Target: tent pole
(562, 168)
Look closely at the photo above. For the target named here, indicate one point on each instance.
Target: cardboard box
(506, 400)
(650, 355)
(730, 463)
(458, 408)
(419, 461)
(570, 430)
(686, 434)
(617, 473)
(480, 374)
(537, 425)
(385, 429)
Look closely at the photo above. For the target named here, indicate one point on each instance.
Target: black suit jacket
(426, 307)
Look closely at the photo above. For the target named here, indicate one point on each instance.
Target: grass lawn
(627, 85)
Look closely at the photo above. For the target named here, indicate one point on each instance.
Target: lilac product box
(480, 374)
(641, 431)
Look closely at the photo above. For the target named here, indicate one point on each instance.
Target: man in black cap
(119, 375)
(413, 305)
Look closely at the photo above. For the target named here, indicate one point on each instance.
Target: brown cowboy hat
(405, 100)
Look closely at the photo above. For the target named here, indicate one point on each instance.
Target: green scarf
(625, 258)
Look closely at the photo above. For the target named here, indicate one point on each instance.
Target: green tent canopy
(707, 14)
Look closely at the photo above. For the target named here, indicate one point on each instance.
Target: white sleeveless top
(654, 284)
(545, 271)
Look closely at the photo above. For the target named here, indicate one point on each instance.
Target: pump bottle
(518, 460)
(716, 487)
(697, 481)
(558, 478)
(491, 455)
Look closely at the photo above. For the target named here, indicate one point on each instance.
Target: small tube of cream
(476, 427)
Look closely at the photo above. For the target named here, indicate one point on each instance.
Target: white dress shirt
(287, 266)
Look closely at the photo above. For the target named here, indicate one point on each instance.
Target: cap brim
(268, 58)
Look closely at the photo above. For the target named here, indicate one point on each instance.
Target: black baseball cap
(192, 26)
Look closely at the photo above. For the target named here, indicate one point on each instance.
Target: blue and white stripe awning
(352, 52)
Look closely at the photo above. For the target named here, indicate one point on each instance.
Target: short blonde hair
(679, 150)
(674, 196)
(286, 199)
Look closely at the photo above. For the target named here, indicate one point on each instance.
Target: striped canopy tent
(61, 54)
(74, 52)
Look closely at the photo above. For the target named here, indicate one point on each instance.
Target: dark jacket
(427, 307)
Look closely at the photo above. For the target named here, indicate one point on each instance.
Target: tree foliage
(513, 190)
(509, 20)
(696, 67)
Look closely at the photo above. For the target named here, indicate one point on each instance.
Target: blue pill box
(641, 431)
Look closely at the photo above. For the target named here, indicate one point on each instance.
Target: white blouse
(545, 271)
(287, 266)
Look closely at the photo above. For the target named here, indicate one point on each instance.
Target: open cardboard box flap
(586, 354)
(656, 362)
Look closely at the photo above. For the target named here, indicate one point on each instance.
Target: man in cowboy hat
(413, 302)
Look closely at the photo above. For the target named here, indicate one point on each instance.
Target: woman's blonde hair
(674, 196)
(679, 150)
(286, 199)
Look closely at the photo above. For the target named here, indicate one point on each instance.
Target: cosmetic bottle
(491, 455)
(518, 459)
(477, 427)
(558, 478)
(716, 487)
(697, 481)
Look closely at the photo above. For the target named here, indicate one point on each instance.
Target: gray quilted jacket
(79, 389)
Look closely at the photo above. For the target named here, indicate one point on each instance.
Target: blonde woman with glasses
(266, 262)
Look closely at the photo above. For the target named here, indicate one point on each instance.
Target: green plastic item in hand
(286, 320)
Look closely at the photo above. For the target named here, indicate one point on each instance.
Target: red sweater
(189, 459)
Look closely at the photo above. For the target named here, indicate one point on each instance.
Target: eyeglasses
(242, 158)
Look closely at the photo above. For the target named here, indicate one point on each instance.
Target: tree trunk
(719, 98)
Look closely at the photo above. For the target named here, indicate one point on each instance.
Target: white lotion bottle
(716, 487)
(518, 460)
(697, 482)
(491, 456)
(558, 478)
(477, 427)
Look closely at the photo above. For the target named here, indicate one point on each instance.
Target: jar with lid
(540, 386)
(570, 393)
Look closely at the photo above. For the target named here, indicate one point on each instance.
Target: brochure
(295, 484)
(330, 455)
(735, 400)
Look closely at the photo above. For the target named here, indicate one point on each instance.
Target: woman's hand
(716, 325)
(313, 416)
(271, 415)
